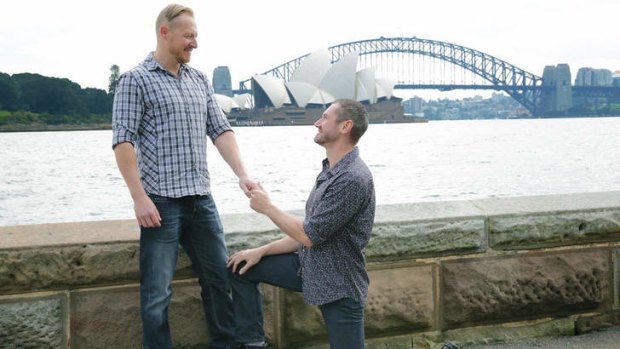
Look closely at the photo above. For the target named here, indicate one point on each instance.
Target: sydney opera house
(314, 84)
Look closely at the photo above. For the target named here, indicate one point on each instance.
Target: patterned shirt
(339, 216)
(168, 119)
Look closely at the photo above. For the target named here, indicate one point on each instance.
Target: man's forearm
(289, 224)
(128, 166)
(226, 145)
(285, 245)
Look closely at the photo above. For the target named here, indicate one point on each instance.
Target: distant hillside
(32, 101)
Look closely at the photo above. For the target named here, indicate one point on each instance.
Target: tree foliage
(33, 98)
(114, 75)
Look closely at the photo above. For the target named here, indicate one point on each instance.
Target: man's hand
(259, 199)
(146, 212)
(247, 184)
(250, 257)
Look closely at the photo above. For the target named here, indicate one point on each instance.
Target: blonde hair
(171, 12)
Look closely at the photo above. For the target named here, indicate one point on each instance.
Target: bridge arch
(521, 85)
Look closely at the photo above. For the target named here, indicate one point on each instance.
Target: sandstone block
(33, 322)
(524, 286)
(400, 300)
(402, 240)
(33, 269)
(554, 229)
(301, 322)
(110, 317)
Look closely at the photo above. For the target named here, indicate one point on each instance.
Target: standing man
(163, 112)
(329, 266)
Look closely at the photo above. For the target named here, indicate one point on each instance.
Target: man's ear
(163, 31)
(347, 126)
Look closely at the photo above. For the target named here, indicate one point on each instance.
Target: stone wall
(468, 271)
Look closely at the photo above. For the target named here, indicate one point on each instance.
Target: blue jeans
(344, 318)
(194, 223)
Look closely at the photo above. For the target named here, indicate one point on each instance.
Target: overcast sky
(80, 40)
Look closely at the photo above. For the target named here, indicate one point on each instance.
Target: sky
(80, 40)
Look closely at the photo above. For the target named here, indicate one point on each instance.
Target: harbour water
(48, 177)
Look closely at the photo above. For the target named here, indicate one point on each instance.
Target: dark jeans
(194, 223)
(344, 318)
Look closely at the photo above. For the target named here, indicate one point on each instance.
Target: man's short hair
(356, 112)
(171, 12)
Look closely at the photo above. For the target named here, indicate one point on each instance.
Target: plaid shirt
(167, 120)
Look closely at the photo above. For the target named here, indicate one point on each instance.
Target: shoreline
(98, 127)
(51, 128)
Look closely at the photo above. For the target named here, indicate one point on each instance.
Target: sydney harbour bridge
(416, 63)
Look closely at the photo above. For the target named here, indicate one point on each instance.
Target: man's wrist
(270, 210)
(140, 195)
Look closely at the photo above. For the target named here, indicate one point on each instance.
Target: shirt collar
(342, 163)
(152, 64)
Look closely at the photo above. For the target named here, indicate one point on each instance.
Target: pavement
(608, 338)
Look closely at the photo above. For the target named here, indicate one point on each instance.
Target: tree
(98, 101)
(114, 75)
(56, 96)
(9, 98)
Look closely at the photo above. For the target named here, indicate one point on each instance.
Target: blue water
(72, 176)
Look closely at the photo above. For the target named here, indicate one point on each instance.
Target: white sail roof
(302, 92)
(244, 100)
(321, 97)
(339, 81)
(317, 81)
(366, 86)
(274, 88)
(312, 68)
(225, 102)
(305, 80)
(385, 87)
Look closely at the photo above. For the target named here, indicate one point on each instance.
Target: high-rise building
(593, 77)
(221, 81)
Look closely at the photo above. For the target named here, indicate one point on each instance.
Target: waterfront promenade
(472, 272)
(608, 338)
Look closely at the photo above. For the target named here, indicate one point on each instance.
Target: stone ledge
(541, 230)
(50, 256)
(406, 240)
(431, 270)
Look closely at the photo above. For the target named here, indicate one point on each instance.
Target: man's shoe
(449, 345)
(260, 346)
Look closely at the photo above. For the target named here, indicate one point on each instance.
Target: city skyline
(80, 41)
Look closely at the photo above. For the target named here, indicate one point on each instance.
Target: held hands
(259, 199)
(247, 184)
(244, 260)
(146, 212)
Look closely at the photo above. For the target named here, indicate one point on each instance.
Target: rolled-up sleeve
(127, 110)
(217, 123)
(340, 203)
